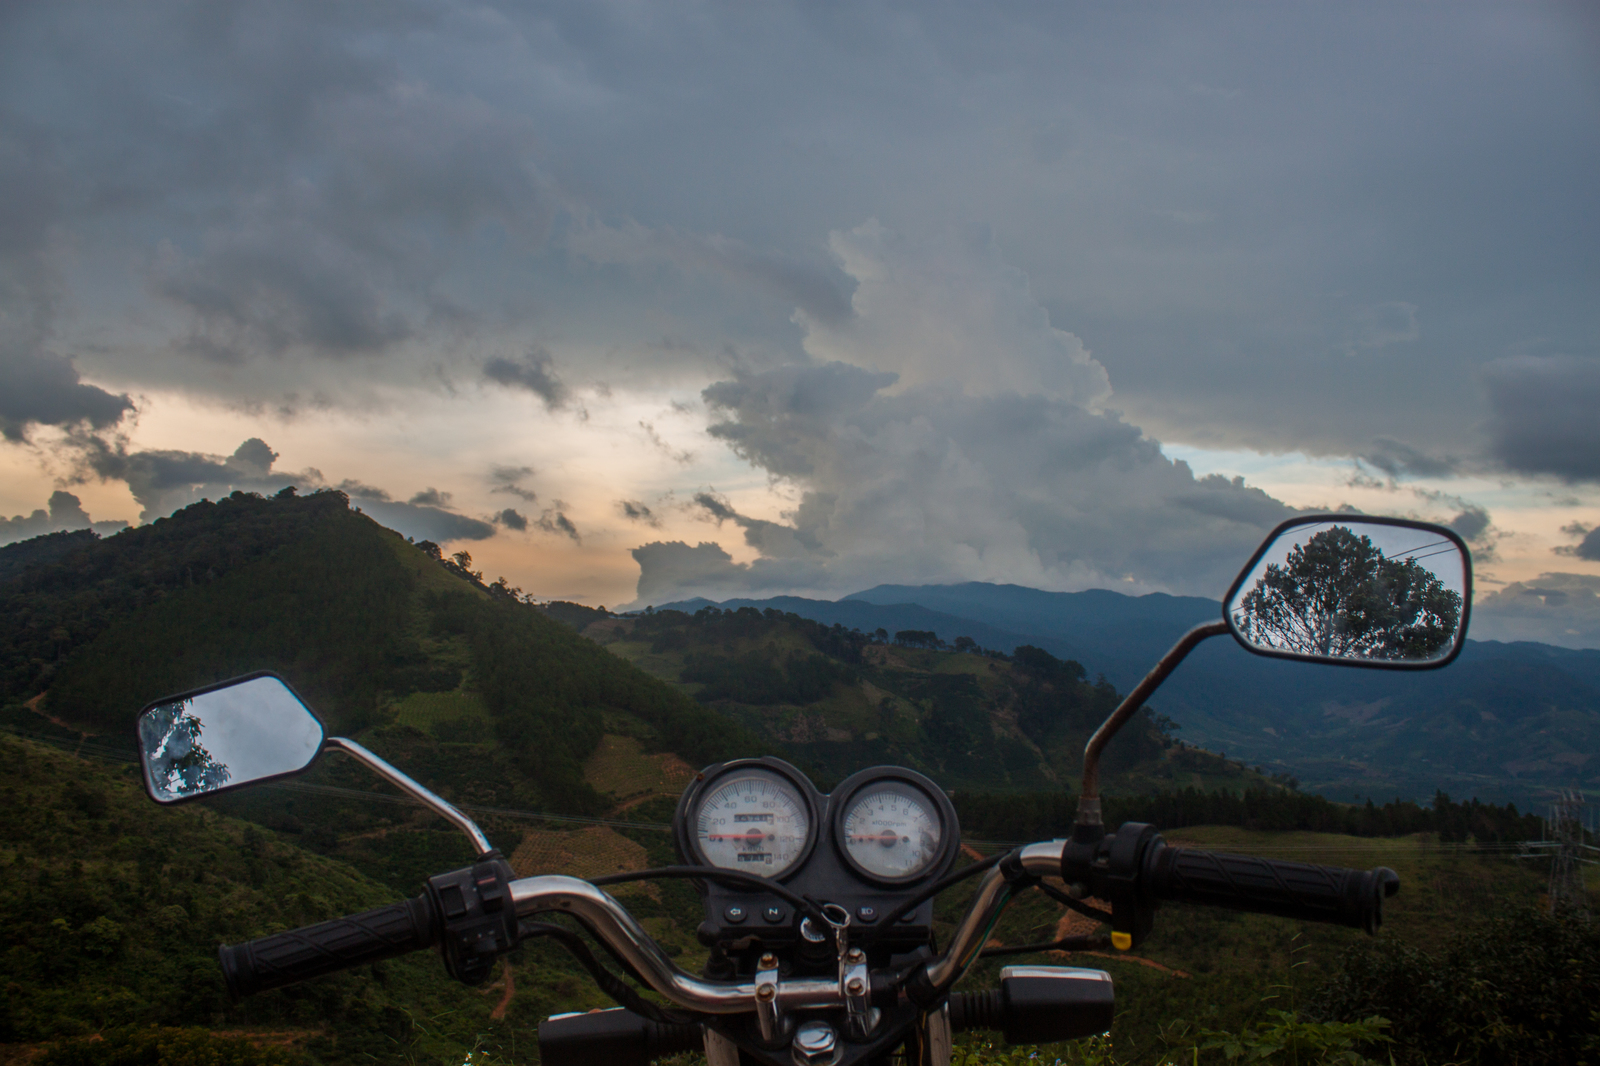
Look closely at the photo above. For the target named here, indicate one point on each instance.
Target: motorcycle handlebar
(1134, 868)
(284, 958)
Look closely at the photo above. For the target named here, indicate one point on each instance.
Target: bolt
(855, 986)
(768, 962)
(815, 1044)
(854, 955)
(765, 993)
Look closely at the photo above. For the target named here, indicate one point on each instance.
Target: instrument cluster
(882, 834)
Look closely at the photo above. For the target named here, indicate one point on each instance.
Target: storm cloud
(1546, 415)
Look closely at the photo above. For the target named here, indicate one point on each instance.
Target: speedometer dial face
(892, 831)
(753, 820)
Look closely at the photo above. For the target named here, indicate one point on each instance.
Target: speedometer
(754, 820)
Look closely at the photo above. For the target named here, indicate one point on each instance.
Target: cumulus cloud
(955, 476)
(66, 512)
(534, 372)
(1544, 414)
(1558, 608)
(950, 311)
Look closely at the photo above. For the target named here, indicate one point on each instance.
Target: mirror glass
(229, 736)
(1354, 590)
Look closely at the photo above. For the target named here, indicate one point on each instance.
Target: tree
(1338, 595)
(179, 764)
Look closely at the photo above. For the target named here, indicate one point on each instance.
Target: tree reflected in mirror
(177, 762)
(1337, 594)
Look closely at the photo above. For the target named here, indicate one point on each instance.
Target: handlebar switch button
(773, 915)
(867, 914)
(734, 914)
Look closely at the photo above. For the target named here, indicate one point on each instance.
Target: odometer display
(892, 831)
(752, 820)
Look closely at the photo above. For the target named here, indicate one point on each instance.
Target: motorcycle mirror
(241, 732)
(1355, 590)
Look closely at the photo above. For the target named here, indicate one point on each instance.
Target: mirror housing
(1355, 590)
(225, 736)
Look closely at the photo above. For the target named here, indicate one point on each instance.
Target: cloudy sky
(638, 301)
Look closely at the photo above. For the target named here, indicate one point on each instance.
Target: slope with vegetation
(837, 700)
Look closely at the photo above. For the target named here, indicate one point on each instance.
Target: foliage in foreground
(165, 1047)
(1515, 988)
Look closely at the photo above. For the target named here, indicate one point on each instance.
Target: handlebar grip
(616, 1037)
(1266, 886)
(284, 958)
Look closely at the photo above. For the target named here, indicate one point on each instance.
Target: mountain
(1504, 722)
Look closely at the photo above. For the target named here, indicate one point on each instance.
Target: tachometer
(753, 820)
(892, 831)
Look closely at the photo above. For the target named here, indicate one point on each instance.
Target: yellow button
(1122, 941)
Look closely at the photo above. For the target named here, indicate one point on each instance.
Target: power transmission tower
(1571, 852)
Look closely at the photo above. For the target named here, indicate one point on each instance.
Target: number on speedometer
(754, 821)
(892, 831)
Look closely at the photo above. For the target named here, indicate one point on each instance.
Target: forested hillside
(838, 699)
(359, 620)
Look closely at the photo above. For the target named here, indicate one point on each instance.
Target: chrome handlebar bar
(609, 921)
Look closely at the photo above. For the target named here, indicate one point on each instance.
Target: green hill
(359, 620)
(837, 700)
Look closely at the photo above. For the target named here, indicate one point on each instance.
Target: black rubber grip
(284, 958)
(1266, 886)
(615, 1037)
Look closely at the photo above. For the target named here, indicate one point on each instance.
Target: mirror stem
(414, 790)
(1088, 820)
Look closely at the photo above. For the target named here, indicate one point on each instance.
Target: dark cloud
(507, 480)
(815, 288)
(534, 372)
(637, 511)
(431, 497)
(1556, 608)
(666, 568)
(511, 520)
(1544, 417)
(1399, 461)
(554, 520)
(164, 480)
(424, 523)
(1587, 549)
(38, 385)
(66, 512)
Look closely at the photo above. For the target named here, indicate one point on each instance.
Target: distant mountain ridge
(1505, 722)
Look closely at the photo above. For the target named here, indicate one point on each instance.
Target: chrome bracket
(770, 1019)
(404, 782)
